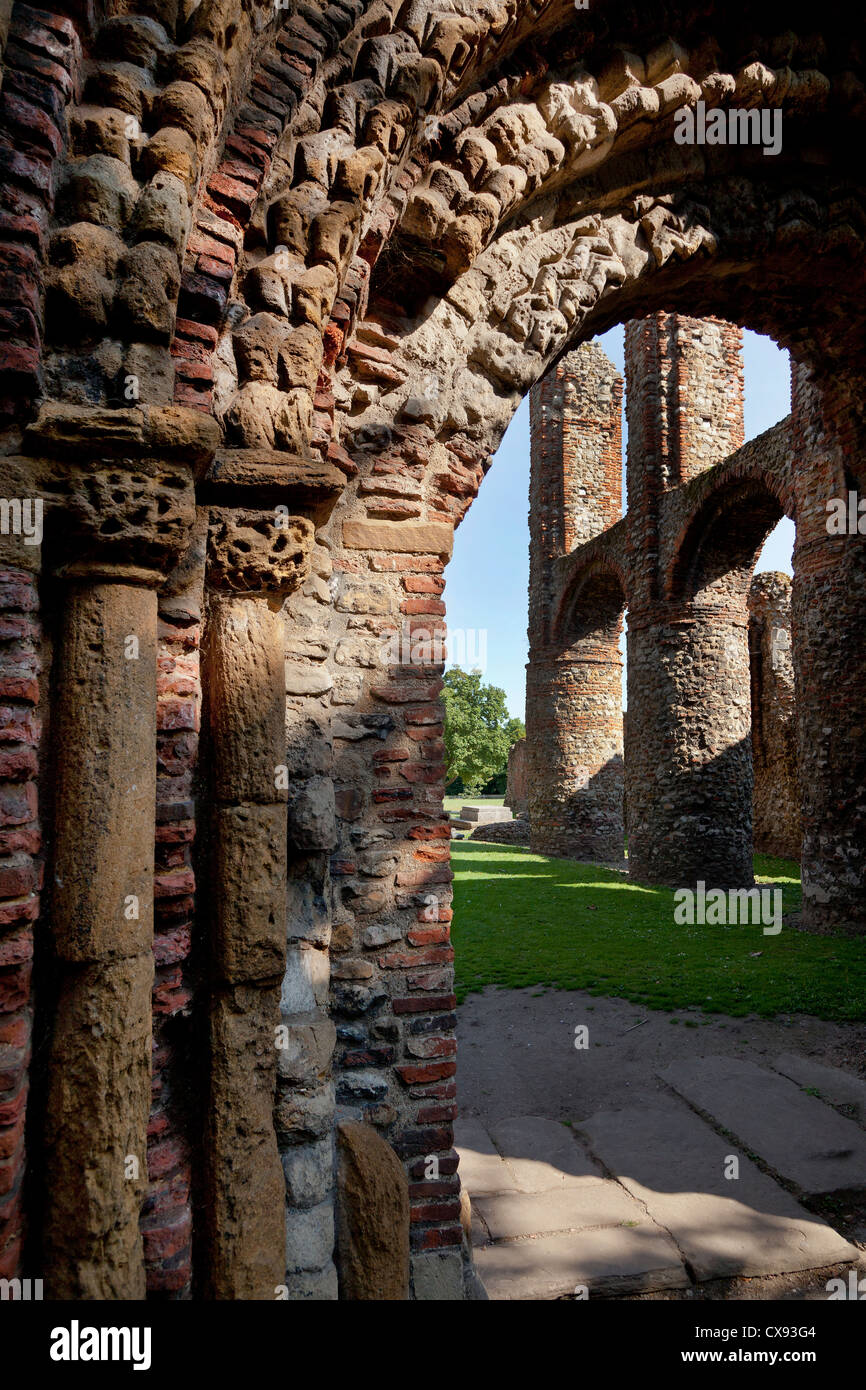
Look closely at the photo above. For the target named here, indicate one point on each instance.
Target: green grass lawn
(521, 919)
(452, 804)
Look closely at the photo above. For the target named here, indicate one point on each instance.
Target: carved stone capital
(122, 519)
(119, 486)
(258, 552)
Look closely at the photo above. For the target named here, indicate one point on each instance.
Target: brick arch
(720, 542)
(178, 111)
(353, 206)
(196, 74)
(305, 215)
(496, 333)
(593, 594)
(295, 209)
(113, 126)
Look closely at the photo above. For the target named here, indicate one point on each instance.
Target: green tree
(478, 729)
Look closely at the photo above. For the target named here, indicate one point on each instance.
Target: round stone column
(254, 563)
(688, 753)
(123, 526)
(829, 640)
(574, 753)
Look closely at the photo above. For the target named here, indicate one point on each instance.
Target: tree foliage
(478, 729)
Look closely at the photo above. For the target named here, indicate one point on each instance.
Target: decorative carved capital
(119, 485)
(124, 520)
(262, 552)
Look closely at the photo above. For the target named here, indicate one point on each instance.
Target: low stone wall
(514, 832)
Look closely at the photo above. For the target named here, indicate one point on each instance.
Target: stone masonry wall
(392, 994)
(517, 791)
(20, 882)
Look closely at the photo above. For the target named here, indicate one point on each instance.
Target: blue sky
(488, 575)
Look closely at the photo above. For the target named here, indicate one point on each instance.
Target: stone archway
(693, 785)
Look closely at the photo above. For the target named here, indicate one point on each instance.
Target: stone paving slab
(542, 1154)
(482, 1169)
(798, 1136)
(674, 1163)
(608, 1260)
(596, 1203)
(568, 1225)
(836, 1086)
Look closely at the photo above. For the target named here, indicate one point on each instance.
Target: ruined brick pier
(680, 561)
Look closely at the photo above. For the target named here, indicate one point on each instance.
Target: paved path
(799, 1136)
(652, 1195)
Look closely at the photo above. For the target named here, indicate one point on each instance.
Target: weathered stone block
(308, 1171)
(100, 1054)
(106, 777)
(301, 1117)
(306, 1057)
(244, 678)
(411, 538)
(373, 1217)
(315, 1286)
(245, 1184)
(438, 1278)
(309, 1237)
(312, 815)
(249, 892)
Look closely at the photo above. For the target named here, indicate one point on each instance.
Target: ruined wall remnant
(777, 825)
(688, 762)
(517, 789)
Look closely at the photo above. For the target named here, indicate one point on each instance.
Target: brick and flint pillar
(828, 600)
(255, 559)
(688, 754)
(777, 827)
(574, 674)
(123, 514)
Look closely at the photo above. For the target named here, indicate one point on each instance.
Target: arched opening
(575, 725)
(711, 657)
(701, 638)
